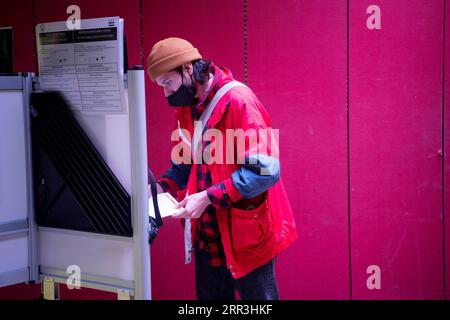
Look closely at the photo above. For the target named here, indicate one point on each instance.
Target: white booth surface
(106, 256)
(111, 137)
(14, 185)
(96, 254)
(14, 253)
(13, 173)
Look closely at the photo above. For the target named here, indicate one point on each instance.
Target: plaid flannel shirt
(208, 234)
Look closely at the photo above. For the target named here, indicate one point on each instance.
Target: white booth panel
(13, 179)
(14, 253)
(95, 254)
(111, 136)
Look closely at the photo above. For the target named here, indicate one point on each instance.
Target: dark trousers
(216, 283)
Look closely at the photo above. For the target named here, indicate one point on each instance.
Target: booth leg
(50, 289)
(124, 295)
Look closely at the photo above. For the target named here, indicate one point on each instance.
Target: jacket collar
(221, 76)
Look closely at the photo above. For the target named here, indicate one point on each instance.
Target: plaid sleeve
(169, 185)
(218, 196)
(175, 178)
(164, 185)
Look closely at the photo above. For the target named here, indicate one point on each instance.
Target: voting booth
(73, 173)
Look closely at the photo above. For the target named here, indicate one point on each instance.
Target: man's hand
(193, 205)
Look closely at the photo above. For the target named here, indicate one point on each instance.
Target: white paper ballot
(166, 204)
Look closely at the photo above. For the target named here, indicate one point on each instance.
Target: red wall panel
(296, 66)
(395, 135)
(19, 16)
(216, 29)
(20, 292)
(296, 59)
(447, 149)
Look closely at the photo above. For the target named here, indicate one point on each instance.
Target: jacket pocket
(249, 227)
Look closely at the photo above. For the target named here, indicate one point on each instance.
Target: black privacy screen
(74, 187)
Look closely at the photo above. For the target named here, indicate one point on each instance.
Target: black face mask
(184, 96)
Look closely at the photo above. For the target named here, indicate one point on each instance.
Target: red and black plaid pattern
(208, 234)
(218, 195)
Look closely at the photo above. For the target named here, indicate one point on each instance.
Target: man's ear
(189, 68)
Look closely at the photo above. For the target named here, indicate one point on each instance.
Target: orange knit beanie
(168, 54)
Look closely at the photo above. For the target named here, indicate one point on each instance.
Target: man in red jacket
(236, 214)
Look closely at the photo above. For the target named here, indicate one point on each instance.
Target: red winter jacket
(253, 237)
